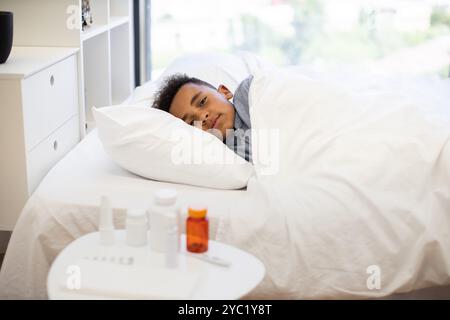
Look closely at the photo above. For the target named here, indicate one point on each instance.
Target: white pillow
(156, 145)
(214, 68)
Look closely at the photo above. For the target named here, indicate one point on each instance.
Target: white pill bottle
(163, 216)
(136, 228)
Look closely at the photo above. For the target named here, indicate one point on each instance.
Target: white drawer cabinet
(39, 114)
(50, 98)
(47, 153)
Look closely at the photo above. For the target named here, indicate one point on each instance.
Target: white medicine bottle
(161, 218)
(136, 228)
(172, 243)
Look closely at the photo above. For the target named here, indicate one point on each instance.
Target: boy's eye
(202, 102)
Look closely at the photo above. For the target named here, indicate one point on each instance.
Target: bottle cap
(166, 197)
(136, 215)
(197, 212)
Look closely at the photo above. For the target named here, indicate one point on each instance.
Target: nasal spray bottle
(106, 227)
(160, 218)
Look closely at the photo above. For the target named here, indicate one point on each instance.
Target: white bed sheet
(65, 207)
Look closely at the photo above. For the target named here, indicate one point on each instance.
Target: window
(384, 36)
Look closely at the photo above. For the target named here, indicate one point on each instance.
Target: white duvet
(351, 196)
(357, 204)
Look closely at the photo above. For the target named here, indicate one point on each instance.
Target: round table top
(217, 282)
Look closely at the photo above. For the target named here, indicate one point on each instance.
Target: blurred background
(382, 36)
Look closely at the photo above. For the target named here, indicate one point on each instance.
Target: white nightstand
(39, 117)
(217, 282)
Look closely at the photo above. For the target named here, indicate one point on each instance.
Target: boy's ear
(224, 90)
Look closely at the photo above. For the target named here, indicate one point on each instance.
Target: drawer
(46, 154)
(49, 98)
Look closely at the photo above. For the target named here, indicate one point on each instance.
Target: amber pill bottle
(197, 230)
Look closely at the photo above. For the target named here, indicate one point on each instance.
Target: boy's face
(205, 106)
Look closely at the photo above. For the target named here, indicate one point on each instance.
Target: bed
(320, 236)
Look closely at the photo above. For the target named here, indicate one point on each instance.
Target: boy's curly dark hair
(170, 87)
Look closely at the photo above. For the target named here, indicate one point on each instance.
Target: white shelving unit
(105, 57)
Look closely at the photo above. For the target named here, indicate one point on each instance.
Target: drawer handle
(55, 145)
(52, 80)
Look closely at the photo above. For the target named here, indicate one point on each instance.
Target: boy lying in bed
(199, 104)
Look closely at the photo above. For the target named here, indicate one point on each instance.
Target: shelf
(93, 31)
(118, 21)
(121, 67)
(97, 75)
